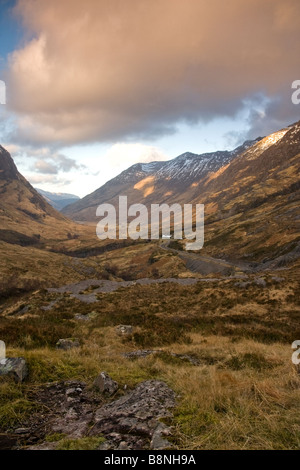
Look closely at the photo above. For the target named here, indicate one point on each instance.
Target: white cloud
(122, 155)
(44, 167)
(52, 182)
(57, 171)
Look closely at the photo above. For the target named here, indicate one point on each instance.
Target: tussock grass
(15, 406)
(85, 443)
(244, 392)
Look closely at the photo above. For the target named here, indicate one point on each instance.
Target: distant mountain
(251, 195)
(155, 182)
(58, 200)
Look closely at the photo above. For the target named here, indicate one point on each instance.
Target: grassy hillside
(240, 392)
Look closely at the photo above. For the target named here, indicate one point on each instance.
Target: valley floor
(223, 347)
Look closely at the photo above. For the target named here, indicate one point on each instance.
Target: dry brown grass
(244, 392)
(217, 407)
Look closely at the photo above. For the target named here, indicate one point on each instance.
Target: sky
(96, 86)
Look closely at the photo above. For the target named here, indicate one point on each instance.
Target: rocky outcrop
(134, 419)
(14, 367)
(8, 169)
(67, 343)
(124, 330)
(104, 384)
(82, 317)
(131, 422)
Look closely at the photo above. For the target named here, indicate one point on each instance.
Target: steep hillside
(22, 208)
(252, 206)
(34, 237)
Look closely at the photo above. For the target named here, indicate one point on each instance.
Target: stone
(124, 330)
(123, 446)
(260, 282)
(22, 431)
(242, 284)
(277, 279)
(134, 419)
(49, 306)
(67, 343)
(73, 395)
(105, 384)
(186, 357)
(132, 422)
(158, 441)
(15, 367)
(22, 311)
(140, 353)
(105, 446)
(82, 317)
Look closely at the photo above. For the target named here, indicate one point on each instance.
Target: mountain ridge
(58, 200)
(251, 195)
(182, 170)
(23, 211)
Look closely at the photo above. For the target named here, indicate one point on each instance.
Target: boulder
(73, 395)
(15, 367)
(105, 384)
(22, 311)
(134, 419)
(82, 317)
(185, 357)
(124, 330)
(159, 441)
(260, 282)
(22, 431)
(140, 353)
(67, 343)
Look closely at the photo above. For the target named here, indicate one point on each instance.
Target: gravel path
(206, 265)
